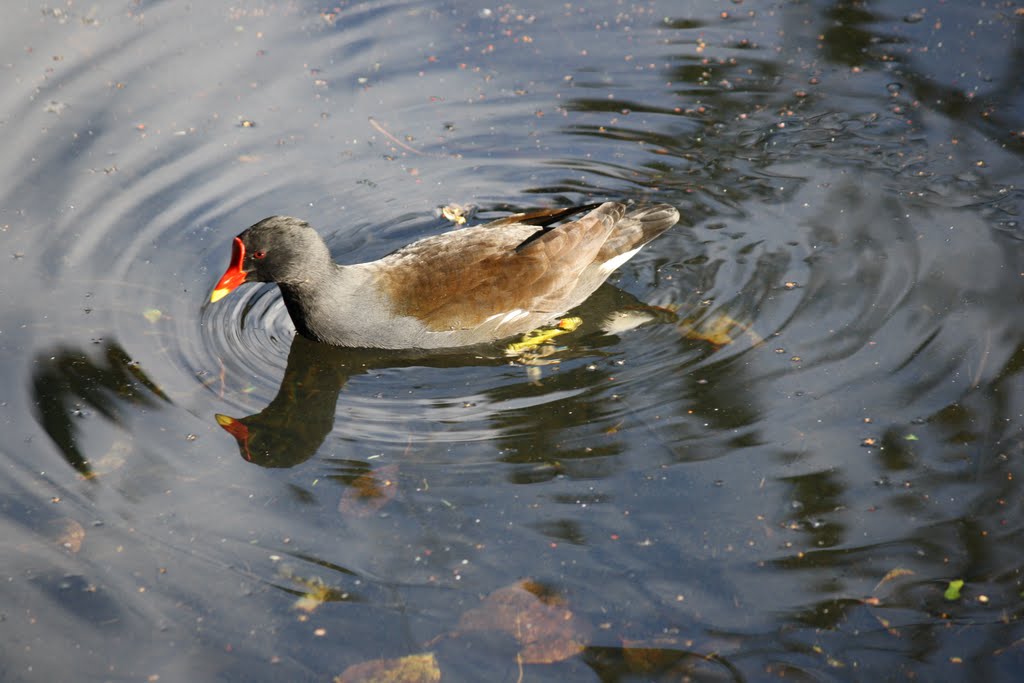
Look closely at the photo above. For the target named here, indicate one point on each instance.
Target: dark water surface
(779, 475)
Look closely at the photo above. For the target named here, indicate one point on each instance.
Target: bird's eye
(259, 254)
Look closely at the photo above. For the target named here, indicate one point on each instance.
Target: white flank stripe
(506, 318)
(515, 314)
(616, 261)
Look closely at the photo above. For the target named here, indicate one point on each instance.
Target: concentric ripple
(814, 431)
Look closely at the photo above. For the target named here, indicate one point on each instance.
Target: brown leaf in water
(682, 658)
(643, 656)
(370, 492)
(71, 535)
(317, 595)
(316, 591)
(542, 623)
(714, 330)
(411, 669)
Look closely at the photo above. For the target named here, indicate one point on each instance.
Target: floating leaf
(546, 629)
(953, 590)
(411, 669)
(455, 213)
(910, 437)
(153, 315)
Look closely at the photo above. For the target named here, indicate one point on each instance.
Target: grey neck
(330, 308)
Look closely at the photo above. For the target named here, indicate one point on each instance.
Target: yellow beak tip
(223, 420)
(218, 294)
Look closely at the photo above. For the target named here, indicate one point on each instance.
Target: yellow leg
(533, 340)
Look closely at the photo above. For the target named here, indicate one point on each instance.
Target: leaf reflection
(67, 384)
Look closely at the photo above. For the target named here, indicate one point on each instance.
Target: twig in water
(380, 129)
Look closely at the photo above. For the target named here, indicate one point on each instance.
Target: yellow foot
(535, 345)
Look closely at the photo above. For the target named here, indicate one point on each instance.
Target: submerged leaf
(717, 329)
(71, 535)
(153, 315)
(714, 332)
(317, 592)
(316, 596)
(642, 657)
(411, 669)
(370, 492)
(544, 626)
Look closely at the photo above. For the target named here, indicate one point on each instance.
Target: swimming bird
(467, 286)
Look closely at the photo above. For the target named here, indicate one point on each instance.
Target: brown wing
(637, 228)
(540, 217)
(459, 279)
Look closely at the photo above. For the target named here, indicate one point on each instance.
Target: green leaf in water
(153, 315)
(953, 590)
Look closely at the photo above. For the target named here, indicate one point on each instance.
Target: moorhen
(467, 286)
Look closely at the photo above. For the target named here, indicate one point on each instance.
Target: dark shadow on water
(68, 384)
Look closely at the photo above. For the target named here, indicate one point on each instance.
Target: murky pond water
(782, 473)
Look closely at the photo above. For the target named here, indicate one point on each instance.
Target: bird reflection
(293, 426)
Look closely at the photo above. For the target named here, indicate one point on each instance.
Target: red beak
(237, 430)
(233, 276)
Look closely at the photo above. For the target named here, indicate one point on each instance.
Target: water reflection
(295, 423)
(794, 502)
(69, 384)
